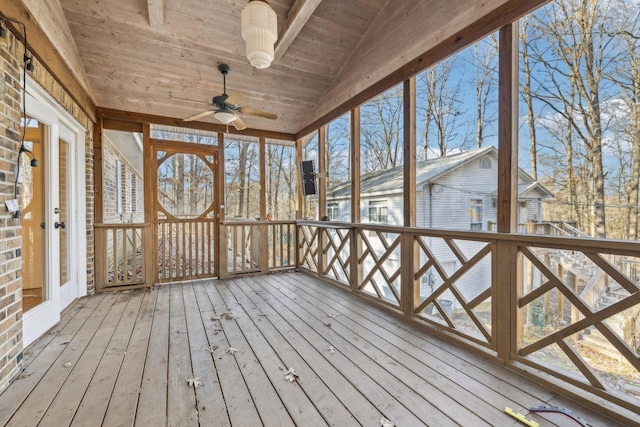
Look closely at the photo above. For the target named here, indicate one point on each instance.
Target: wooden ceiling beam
(156, 13)
(297, 17)
(128, 116)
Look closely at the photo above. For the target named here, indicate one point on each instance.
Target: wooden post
(150, 187)
(264, 228)
(509, 326)
(322, 196)
(222, 262)
(299, 200)
(410, 293)
(356, 244)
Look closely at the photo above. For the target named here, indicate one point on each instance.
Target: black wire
(24, 100)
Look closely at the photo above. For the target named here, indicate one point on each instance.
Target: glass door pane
(32, 204)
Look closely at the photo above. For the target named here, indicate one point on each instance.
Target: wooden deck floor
(124, 358)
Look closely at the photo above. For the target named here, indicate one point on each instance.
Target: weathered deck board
(124, 399)
(132, 352)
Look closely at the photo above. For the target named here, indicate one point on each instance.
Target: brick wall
(11, 53)
(10, 229)
(132, 211)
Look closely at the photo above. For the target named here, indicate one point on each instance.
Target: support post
(322, 196)
(356, 245)
(264, 228)
(410, 292)
(222, 252)
(299, 201)
(150, 167)
(508, 288)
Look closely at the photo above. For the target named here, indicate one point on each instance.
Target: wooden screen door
(53, 216)
(185, 210)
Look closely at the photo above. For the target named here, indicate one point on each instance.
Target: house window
(485, 163)
(134, 193)
(118, 186)
(475, 214)
(333, 212)
(378, 211)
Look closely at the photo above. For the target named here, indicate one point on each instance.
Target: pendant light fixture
(260, 32)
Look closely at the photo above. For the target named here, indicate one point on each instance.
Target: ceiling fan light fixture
(224, 117)
(260, 31)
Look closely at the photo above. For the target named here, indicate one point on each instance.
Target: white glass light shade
(224, 117)
(260, 32)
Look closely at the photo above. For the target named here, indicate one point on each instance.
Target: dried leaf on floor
(24, 375)
(65, 342)
(334, 315)
(385, 422)
(194, 382)
(67, 364)
(227, 315)
(327, 324)
(291, 375)
(216, 316)
(211, 348)
(232, 350)
(331, 349)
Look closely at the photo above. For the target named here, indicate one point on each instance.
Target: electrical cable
(26, 61)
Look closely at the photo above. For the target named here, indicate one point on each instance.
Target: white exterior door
(52, 202)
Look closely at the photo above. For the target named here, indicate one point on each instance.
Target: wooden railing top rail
(121, 225)
(183, 221)
(590, 244)
(291, 221)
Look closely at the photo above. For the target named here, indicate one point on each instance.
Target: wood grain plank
(152, 402)
(300, 408)
(445, 379)
(40, 364)
(360, 394)
(64, 407)
(181, 403)
(33, 408)
(425, 401)
(210, 400)
(121, 409)
(96, 399)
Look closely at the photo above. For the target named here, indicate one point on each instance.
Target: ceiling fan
(226, 111)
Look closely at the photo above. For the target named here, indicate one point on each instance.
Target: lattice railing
(585, 332)
(308, 247)
(337, 250)
(380, 261)
(456, 285)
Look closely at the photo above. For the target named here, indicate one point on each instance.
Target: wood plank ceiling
(161, 56)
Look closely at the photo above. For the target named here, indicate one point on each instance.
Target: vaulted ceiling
(160, 57)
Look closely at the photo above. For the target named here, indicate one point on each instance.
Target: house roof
(427, 171)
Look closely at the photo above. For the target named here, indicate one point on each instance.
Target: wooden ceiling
(160, 57)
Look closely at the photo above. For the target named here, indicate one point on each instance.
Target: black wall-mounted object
(308, 177)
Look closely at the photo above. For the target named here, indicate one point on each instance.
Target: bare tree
(440, 106)
(485, 53)
(573, 56)
(381, 130)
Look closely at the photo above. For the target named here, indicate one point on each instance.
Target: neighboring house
(456, 192)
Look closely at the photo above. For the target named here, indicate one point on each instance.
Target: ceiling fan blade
(198, 116)
(258, 113)
(239, 124)
(234, 99)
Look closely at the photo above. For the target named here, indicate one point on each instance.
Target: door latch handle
(60, 225)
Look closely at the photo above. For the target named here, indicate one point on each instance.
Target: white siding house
(455, 192)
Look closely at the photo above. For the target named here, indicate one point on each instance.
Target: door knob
(60, 225)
